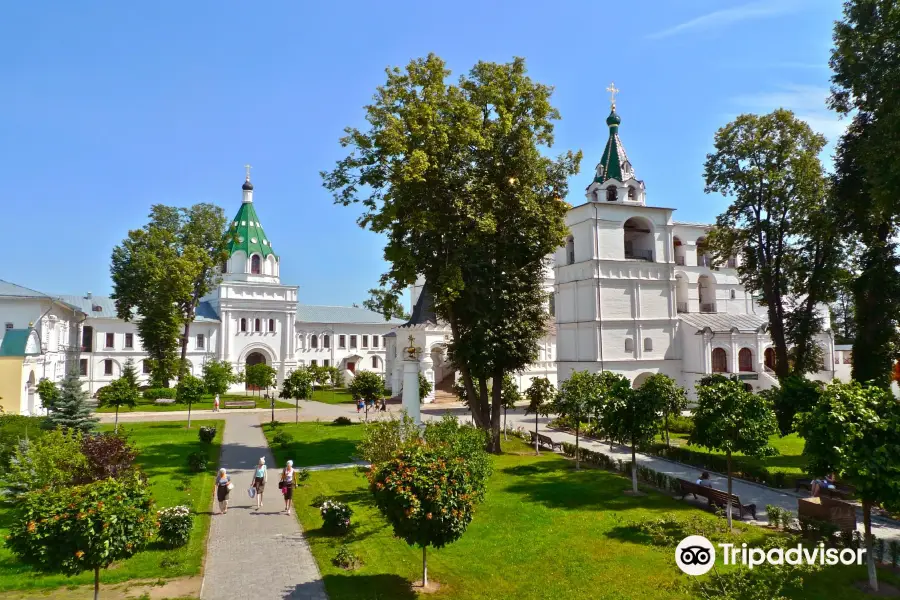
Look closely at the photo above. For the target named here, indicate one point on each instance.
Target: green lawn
(336, 396)
(315, 443)
(164, 448)
(790, 459)
(206, 404)
(544, 531)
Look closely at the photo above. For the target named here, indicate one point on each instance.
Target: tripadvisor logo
(695, 555)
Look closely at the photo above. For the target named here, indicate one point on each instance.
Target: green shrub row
(680, 424)
(646, 475)
(718, 463)
(157, 393)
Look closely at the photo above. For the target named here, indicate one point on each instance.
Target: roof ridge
(25, 288)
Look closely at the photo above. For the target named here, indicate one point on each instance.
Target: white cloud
(728, 16)
(806, 101)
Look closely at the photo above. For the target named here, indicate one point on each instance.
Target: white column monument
(411, 382)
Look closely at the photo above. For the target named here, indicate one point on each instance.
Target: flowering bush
(207, 434)
(198, 461)
(336, 515)
(175, 525)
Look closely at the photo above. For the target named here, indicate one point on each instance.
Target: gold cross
(612, 93)
(248, 167)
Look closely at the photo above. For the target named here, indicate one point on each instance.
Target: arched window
(648, 345)
(611, 194)
(255, 264)
(374, 362)
(326, 341)
(719, 360)
(629, 345)
(257, 325)
(271, 324)
(243, 324)
(570, 251)
(314, 341)
(745, 360)
(769, 358)
(631, 194)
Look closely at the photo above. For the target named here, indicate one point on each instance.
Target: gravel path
(255, 555)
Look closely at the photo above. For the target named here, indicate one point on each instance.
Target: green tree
(540, 395)
(121, 392)
(51, 461)
(387, 303)
(425, 387)
(611, 386)
(72, 529)
(297, 386)
(865, 61)
(632, 416)
(218, 376)
(457, 178)
(48, 392)
(190, 389)
(382, 439)
(672, 397)
(782, 223)
(260, 376)
(368, 387)
(509, 396)
(854, 431)
(843, 309)
(794, 395)
(71, 410)
(730, 419)
(577, 396)
(161, 271)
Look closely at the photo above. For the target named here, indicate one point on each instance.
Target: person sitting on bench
(704, 480)
(826, 483)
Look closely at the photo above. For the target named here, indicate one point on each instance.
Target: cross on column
(612, 93)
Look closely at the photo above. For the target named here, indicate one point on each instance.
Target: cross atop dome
(247, 185)
(612, 96)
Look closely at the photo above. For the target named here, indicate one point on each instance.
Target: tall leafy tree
(540, 395)
(854, 431)
(632, 416)
(71, 411)
(456, 176)
(384, 301)
(575, 401)
(865, 61)
(161, 272)
(730, 419)
(122, 391)
(218, 376)
(781, 222)
(843, 309)
(368, 387)
(672, 397)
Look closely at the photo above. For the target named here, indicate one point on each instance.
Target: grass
(544, 531)
(164, 448)
(336, 396)
(790, 459)
(315, 443)
(206, 404)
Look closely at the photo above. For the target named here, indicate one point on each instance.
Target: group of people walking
(286, 484)
(371, 405)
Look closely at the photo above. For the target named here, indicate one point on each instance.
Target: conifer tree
(71, 410)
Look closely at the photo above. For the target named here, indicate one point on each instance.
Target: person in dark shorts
(260, 476)
(287, 485)
(223, 487)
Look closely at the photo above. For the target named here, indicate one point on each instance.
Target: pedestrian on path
(383, 405)
(287, 485)
(260, 477)
(216, 404)
(359, 405)
(223, 487)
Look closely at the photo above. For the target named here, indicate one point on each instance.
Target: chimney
(89, 296)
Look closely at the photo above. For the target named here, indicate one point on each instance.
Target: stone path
(252, 554)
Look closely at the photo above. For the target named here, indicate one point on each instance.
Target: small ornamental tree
(428, 493)
(121, 392)
(509, 395)
(218, 376)
(71, 411)
(108, 455)
(425, 388)
(54, 460)
(261, 376)
(854, 431)
(631, 416)
(297, 386)
(576, 397)
(48, 392)
(672, 397)
(189, 390)
(72, 529)
(368, 387)
(381, 440)
(612, 386)
(730, 419)
(540, 395)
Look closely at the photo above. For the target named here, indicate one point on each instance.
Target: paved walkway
(256, 554)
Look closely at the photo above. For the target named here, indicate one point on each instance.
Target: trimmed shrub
(346, 559)
(159, 393)
(198, 461)
(335, 516)
(207, 434)
(680, 424)
(343, 421)
(282, 438)
(175, 525)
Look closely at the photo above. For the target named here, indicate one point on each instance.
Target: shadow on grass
(364, 587)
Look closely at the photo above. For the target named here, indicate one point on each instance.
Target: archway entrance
(254, 358)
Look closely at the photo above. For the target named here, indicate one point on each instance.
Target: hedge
(718, 463)
(646, 475)
(157, 393)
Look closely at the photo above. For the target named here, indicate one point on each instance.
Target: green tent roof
(248, 234)
(614, 160)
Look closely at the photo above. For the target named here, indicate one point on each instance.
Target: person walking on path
(223, 487)
(260, 476)
(216, 404)
(287, 485)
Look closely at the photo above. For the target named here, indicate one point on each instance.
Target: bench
(715, 497)
(546, 442)
(164, 401)
(239, 404)
(841, 490)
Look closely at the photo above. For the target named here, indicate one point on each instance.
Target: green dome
(613, 119)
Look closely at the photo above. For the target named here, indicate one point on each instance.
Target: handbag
(282, 485)
(252, 492)
(230, 486)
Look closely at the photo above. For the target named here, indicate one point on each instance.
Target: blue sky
(109, 107)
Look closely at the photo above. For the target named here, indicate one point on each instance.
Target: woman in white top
(260, 477)
(287, 485)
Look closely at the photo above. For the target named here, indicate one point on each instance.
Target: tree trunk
(537, 447)
(870, 554)
(116, 430)
(424, 566)
(96, 583)
(634, 487)
(297, 411)
(666, 425)
(728, 505)
(182, 366)
(577, 453)
(504, 423)
(189, 415)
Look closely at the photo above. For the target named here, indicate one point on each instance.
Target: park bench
(715, 497)
(842, 491)
(164, 401)
(546, 442)
(239, 404)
